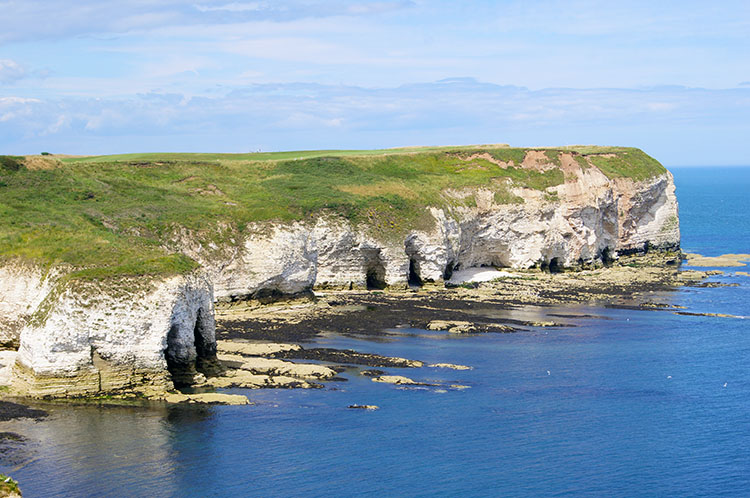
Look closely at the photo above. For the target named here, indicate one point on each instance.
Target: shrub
(11, 163)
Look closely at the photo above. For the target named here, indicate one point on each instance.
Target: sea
(625, 403)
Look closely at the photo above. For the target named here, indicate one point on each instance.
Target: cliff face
(586, 219)
(148, 334)
(22, 288)
(142, 337)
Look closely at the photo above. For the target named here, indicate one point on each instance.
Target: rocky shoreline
(87, 330)
(631, 281)
(261, 344)
(265, 343)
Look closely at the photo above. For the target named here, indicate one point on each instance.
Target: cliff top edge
(118, 214)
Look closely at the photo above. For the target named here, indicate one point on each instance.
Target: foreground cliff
(111, 265)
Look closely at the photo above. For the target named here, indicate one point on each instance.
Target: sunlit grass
(113, 215)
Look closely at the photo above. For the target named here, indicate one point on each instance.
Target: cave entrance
(205, 347)
(414, 280)
(448, 272)
(552, 266)
(375, 276)
(179, 365)
(555, 266)
(190, 352)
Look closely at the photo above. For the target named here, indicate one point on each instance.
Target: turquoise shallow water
(631, 403)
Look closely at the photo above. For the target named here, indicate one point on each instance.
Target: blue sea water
(632, 403)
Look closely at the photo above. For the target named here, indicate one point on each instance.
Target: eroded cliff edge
(145, 322)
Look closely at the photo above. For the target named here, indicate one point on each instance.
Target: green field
(111, 215)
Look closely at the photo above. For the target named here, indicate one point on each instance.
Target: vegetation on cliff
(8, 486)
(112, 215)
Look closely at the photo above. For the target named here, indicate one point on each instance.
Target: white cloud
(377, 7)
(8, 101)
(11, 71)
(233, 7)
(55, 127)
(676, 124)
(34, 19)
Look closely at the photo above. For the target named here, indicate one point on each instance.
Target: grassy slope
(108, 215)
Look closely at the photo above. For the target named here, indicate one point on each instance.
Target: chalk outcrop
(22, 288)
(88, 339)
(149, 335)
(588, 218)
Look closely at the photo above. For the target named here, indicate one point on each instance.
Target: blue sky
(91, 77)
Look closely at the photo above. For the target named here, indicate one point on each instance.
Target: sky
(93, 77)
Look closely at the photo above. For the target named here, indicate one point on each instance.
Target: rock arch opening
(449, 269)
(375, 276)
(554, 265)
(205, 347)
(191, 351)
(180, 368)
(414, 279)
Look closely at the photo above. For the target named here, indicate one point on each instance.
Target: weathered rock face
(649, 215)
(432, 256)
(289, 259)
(273, 259)
(87, 340)
(22, 288)
(588, 218)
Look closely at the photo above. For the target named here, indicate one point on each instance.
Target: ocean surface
(629, 403)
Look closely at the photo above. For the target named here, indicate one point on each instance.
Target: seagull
(548, 373)
(725, 384)
(669, 376)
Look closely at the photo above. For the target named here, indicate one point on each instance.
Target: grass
(628, 164)
(9, 164)
(108, 216)
(8, 486)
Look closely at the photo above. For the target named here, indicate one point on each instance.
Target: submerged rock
(466, 327)
(273, 367)
(544, 323)
(725, 260)
(713, 284)
(207, 398)
(349, 356)
(249, 380)
(451, 366)
(398, 380)
(452, 326)
(720, 315)
(364, 407)
(254, 348)
(372, 373)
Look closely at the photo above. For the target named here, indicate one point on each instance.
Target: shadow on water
(102, 450)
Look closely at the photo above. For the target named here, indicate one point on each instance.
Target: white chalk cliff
(145, 336)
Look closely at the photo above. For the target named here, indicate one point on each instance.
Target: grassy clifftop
(110, 215)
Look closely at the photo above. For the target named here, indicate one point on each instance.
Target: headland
(112, 267)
